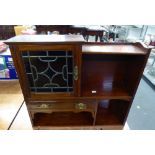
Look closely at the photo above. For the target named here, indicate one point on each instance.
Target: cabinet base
(108, 127)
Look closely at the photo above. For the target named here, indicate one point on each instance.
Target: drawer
(63, 106)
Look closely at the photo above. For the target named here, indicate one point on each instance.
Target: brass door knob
(75, 73)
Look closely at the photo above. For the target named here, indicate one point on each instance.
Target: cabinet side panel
(19, 69)
(134, 73)
(135, 84)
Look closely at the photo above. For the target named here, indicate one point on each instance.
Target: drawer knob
(75, 73)
(80, 106)
(44, 106)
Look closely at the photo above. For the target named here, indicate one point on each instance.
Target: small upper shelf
(33, 39)
(129, 49)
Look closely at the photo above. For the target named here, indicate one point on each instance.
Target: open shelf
(110, 75)
(111, 112)
(114, 48)
(63, 119)
(117, 92)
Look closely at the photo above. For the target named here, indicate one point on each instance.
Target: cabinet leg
(32, 115)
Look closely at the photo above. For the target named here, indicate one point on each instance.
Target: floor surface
(142, 112)
(11, 99)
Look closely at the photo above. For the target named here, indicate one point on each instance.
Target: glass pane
(49, 71)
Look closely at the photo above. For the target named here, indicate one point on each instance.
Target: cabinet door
(50, 71)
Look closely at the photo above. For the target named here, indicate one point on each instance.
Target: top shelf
(27, 39)
(130, 49)
(89, 48)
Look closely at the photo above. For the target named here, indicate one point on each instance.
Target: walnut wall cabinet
(68, 83)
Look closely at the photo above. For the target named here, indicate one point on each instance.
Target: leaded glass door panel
(51, 70)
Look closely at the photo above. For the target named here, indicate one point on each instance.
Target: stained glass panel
(49, 71)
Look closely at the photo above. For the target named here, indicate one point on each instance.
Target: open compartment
(71, 113)
(63, 119)
(112, 112)
(110, 74)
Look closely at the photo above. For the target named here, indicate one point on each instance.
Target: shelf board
(115, 93)
(113, 49)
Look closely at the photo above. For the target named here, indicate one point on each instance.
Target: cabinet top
(45, 39)
(87, 47)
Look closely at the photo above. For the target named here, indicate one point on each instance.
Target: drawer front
(63, 106)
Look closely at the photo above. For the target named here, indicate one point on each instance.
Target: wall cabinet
(68, 83)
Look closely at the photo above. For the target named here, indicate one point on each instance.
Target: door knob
(76, 73)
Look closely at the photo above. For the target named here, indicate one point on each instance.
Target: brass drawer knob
(80, 106)
(43, 106)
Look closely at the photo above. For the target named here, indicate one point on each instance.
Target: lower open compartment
(63, 119)
(112, 112)
(61, 114)
(97, 113)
